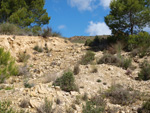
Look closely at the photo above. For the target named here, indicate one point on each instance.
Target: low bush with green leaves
(145, 107)
(88, 42)
(38, 48)
(7, 65)
(66, 82)
(120, 95)
(87, 58)
(144, 74)
(8, 29)
(95, 105)
(141, 41)
(116, 60)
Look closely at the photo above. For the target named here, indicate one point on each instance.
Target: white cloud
(82, 5)
(105, 3)
(61, 27)
(99, 28)
(147, 29)
(89, 5)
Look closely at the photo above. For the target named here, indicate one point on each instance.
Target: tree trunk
(131, 23)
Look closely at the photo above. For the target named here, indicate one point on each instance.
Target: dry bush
(120, 95)
(118, 60)
(24, 103)
(76, 69)
(94, 69)
(23, 57)
(95, 105)
(24, 70)
(46, 107)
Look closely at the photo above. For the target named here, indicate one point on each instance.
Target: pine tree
(24, 13)
(128, 16)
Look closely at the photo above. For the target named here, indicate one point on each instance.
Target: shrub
(95, 105)
(56, 34)
(126, 62)
(7, 65)
(76, 69)
(23, 57)
(47, 32)
(85, 97)
(118, 60)
(8, 29)
(27, 84)
(88, 42)
(38, 49)
(24, 70)
(87, 58)
(5, 107)
(94, 69)
(145, 107)
(142, 39)
(98, 80)
(46, 107)
(66, 82)
(109, 59)
(24, 103)
(120, 95)
(144, 74)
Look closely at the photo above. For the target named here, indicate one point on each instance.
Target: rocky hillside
(82, 39)
(35, 83)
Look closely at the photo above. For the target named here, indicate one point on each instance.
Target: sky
(78, 17)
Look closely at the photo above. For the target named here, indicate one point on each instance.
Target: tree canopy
(24, 13)
(128, 16)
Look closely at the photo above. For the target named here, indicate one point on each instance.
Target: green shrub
(126, 62)
(87, 58)
(144, 74)
(5, 107)
(145, 107)
(38, 49)
(56, 34)
(141, 40)
(28, 85)
(66, 82)
(120, 95)
(95, 105)
(7, 65)
(46, 107)
(8, 29)
(88, 42)
(118, 60)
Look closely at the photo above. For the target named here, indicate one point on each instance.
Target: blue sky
(78, 17)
